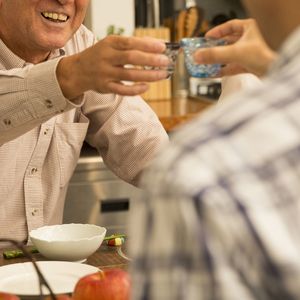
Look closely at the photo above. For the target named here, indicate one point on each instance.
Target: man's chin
(54, 40)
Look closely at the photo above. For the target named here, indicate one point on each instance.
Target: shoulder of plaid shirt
(221, 215)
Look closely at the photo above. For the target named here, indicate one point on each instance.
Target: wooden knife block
(160, 90)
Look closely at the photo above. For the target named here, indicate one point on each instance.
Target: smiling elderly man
(59, 87)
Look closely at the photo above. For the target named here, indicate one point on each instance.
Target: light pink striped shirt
(41, 134)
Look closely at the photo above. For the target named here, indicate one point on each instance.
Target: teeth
(55, 16)
(62, 17)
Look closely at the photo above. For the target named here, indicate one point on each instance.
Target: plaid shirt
(221, 218)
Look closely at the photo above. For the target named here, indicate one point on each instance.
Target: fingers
(138, 75)
(136, 81)
(225, 55)
(140, 58)
(117, 51)
(231, 28)
(146, 44)
(220, 55)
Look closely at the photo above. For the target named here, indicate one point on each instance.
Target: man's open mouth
(55, 17)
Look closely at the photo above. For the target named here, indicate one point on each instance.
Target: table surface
(176, 111)
(104, 257)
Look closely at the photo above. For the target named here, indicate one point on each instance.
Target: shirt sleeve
(29, 96)
(126, 132)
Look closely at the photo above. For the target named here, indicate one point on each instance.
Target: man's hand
(247, 51)
(104, 66)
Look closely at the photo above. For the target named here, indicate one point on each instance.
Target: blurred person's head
(276, 18)
(32, 28)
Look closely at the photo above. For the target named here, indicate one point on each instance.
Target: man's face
(270, 19)
(259, 10)
(37, 26)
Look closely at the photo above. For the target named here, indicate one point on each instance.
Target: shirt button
(49, 103)
(46, 131)
(34, 212)
(7, 122)
(33, 171)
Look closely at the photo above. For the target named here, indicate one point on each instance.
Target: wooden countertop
(176, 111)
(104, 257)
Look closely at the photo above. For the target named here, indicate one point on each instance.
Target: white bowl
(69, 242)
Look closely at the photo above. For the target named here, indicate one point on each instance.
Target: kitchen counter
(176, 111)
(104, 257)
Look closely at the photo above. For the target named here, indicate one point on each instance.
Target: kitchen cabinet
(97, 196)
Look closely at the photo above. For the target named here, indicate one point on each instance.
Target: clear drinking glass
(172, 53)
(189, 46)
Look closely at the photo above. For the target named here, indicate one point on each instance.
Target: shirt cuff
(43, 86)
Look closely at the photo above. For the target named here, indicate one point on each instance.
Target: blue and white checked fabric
(221, 215)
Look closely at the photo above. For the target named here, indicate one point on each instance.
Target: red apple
(110, 284)
(7, 296)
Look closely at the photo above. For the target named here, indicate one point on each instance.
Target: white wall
(103, 13)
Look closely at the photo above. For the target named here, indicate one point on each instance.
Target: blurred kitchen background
(131, 14)
(96, 195)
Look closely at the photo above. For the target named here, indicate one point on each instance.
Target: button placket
(33, 185)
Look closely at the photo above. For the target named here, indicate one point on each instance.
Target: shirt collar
(288, 52)
(9, 60)
(57, 53)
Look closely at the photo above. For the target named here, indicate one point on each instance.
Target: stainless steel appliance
(97, 196)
